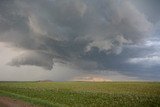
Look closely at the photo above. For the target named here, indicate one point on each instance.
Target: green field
(84, 94)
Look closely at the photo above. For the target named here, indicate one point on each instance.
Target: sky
(74, 40)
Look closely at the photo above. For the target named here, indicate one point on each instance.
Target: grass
(34, 101)
(85, 94)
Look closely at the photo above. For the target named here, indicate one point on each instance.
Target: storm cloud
(88, 35)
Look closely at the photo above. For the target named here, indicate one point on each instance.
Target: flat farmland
(84, 94)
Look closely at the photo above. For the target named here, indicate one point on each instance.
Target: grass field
(84, 94)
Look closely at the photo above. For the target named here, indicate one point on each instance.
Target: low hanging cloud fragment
(34, 58)
(69, 30)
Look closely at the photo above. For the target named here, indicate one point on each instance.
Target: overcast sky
(61, 40)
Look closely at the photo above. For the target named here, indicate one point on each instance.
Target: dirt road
(8, 102)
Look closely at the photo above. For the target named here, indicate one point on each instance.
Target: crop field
(84, 94)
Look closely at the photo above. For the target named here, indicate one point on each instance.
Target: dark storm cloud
(87, 34)
(150, 8)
